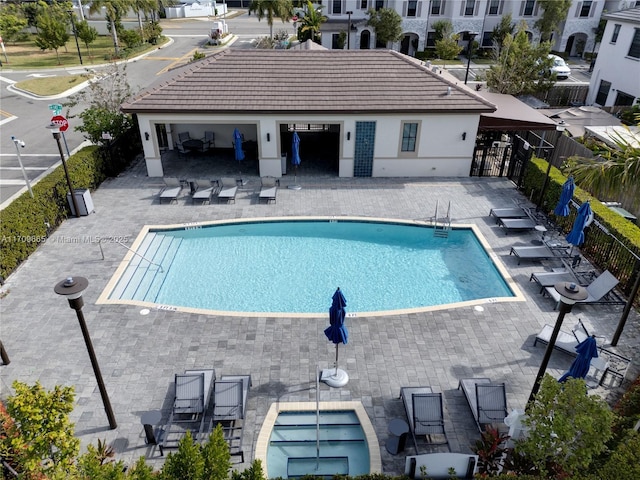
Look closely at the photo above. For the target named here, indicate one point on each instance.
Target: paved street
(139, 354)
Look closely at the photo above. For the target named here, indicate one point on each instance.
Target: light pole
(72, 288)
(570, 293)
(471, 35)
(55, 130)
(75, 34)
(24, 173)
(559, 128)
(349, 12)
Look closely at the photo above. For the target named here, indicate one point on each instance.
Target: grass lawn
(51, 85)
(26, 55)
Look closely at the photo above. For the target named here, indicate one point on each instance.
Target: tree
(86, 33)
(36, 434)
(187, 463)
(520, 66)
(216, 455)
(52, 32)
(113, 11)
(442, 28)
(387, 24)
(310, 23)
(254, 472)
(108, 90)
(447, 47)
(500, 32)
(567, 428)
(271, 9)
(12, 22)
(144, 7)
(554, 12)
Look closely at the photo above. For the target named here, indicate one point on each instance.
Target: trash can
(283, 161)
(84, 201)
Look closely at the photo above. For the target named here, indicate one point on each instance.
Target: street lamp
(570, 293)
(55, 130)
(72, 288)
(559, 128)
(75, 33)
(20, 143)
(349, 12)
(471, 36)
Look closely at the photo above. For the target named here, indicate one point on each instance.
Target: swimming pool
(292, 266)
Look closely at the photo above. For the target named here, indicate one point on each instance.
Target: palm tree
(144, 7)
(311, 22)
(113, 10)
(271, 9)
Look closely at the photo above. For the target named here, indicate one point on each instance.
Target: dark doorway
(404, 45)
(319, 147)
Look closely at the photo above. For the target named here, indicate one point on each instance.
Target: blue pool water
(295, 266)
(292, 450)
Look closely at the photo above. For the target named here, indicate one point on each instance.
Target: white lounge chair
(487, 401)
(228, 189)
(172, 189)
(438, 465)
(598, 291)
(566, 341)
(269, 189)
(204, 191)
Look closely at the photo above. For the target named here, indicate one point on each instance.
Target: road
(26, 117)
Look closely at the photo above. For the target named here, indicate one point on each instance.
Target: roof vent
(448, 91)
(428, 64)
(434, 69)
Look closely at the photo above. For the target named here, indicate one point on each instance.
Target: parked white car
(559, 67)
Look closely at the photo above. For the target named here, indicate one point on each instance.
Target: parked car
(559, 67)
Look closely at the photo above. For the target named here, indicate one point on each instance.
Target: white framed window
(409, 139)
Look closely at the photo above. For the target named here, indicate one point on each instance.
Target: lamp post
(75, 34)
(72, 288)
(55, 130)
(471, 35)
(559, 128)
(570, 293)
(19, 143)
(349, 12)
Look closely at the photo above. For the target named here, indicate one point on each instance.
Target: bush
(131, 38)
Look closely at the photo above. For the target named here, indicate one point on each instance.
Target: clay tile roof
(312, 81)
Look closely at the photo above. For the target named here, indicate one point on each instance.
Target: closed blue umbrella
(576, 235)
(237, 147)
(337, 332)
(580, 366)
(295, 156)
(562, 208)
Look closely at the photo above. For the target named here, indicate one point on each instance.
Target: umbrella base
(333, 379)
(294, 187)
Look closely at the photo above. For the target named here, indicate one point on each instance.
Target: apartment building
(467, 16)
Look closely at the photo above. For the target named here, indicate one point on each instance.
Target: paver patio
(139, 355)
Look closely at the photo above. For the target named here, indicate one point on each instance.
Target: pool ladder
(441, 225)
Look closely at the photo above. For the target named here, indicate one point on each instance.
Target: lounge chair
(539, 252)
(269, 189)
(172, 189)
(510, 224)
(549, 279)
(425, 414)
(438, 465)
(204, 191)
(488, 401)
(208, 141)
(566, 341)
(513, 212)
(600, 291)
(230, 398)
(192, 394)
(228, 189)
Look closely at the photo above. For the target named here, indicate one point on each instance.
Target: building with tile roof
(366, 113)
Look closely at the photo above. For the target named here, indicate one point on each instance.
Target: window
(431, 39)
(469, 7)
(616, 32)
(586, 8)
(494, 6)
(412, 8)
(409, 137)
(634, 49)
(335, 41)
(337, 6)
(624, 99)
(528, 7)
(436, 7)
(363, 4)
(603, 92)
(487, 39)
(379, 5)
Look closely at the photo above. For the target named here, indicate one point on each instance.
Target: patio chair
(230, 400)
(425, 415)
(191, 399)
(228, 189)
(208, 141)
(269, 189)
(172, 189)
(510, 212)
(600, 291)
(566, 341)
(438, 465)
(516, 224)
(540, 252)
(204, 191)
(549, 279)
(183, 137)
(487, 401)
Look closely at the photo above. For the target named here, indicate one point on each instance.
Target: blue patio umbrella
(587, 350)
(237, 147)
(337, 332)
(576, 235)
(295, 154)
(562, 208)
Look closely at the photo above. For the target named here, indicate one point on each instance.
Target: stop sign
(61, 122)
